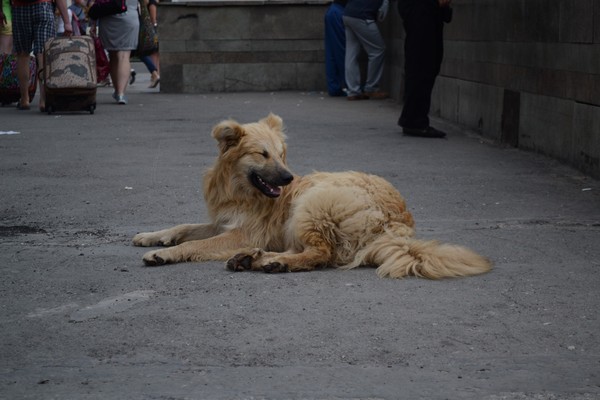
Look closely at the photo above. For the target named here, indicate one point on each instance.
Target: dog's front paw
(275, 267)
(145, 239)
(148, 239)
(245, 261)
(154, 258)
(239, 262)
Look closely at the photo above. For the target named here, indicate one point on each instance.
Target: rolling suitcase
(9, 82)
(69, 74)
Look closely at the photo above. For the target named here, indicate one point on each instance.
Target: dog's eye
(265, 154)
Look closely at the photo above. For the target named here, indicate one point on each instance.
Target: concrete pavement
(83, 319)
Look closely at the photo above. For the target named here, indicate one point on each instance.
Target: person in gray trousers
(360, 21)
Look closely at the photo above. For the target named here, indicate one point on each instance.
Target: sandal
(20, 107)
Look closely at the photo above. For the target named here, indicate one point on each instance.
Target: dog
(265, 218)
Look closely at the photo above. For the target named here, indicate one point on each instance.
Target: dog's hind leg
(272, 262)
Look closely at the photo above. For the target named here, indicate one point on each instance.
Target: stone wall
(526, 73)
(521, 72)
(228, 46)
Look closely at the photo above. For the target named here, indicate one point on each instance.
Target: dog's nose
(286, 178)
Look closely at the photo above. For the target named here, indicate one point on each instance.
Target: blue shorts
(33, 25)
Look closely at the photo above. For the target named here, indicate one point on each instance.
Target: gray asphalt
(82, 318)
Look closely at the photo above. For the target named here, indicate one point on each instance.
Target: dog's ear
(228, 134)
(273, 121)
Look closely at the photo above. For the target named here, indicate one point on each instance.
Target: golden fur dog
(264, 218)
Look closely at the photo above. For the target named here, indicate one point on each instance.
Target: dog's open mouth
(266, 188)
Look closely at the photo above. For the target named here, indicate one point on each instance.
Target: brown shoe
(358, 97)
(378, 95)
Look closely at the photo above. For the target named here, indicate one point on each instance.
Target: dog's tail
(399, 256)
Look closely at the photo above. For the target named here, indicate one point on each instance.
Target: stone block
(546, 125)
(480, 107)
(597, 21)
(259, 77)
(310, 77)
(531, 20)
(171, 78)
(287, 22)
(576, 21)
(444, 99)
(210, 46)
(202, 78)
(585, 146)
(511, 116)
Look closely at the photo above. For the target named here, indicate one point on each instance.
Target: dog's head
(255, 153)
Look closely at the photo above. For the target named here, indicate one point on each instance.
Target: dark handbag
(103, 8)
(148, 37)
(102, 63)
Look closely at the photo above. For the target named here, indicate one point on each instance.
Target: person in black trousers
(423, 53)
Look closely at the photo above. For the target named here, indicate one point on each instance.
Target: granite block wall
(224, 46)
(526, 73)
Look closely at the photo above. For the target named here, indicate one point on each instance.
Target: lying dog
(264, 218)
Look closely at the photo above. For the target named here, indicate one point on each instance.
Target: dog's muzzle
(270, 186)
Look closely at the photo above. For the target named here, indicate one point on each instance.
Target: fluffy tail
(397, 257)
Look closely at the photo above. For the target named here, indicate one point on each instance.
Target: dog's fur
(264, 218)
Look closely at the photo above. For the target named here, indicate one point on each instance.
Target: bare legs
(23, 73)
(120, 69)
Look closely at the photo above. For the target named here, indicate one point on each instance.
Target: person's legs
(330, 71)
(335, 50)
(44, 29)
(120, 68)
(374, 45)
(23, 73)
(23, 42)
(156, 61)
(352, 52)
(148, 63)
(421, 65)
(152, 68)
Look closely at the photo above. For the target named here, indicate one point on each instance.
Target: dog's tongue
(275, 191)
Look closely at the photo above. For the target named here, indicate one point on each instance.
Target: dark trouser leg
(423, 50)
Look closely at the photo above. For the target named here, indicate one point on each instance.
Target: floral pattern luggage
(69, 74)
(9, 83)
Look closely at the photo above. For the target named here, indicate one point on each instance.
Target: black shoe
(429, 132)
(132, 77)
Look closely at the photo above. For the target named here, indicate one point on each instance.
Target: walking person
(423, 53)
(119, 36)
(360, 19)
(33, 25)
(149, 56)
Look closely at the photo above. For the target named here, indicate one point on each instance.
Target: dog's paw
(275, 267)
(144, 240)
(149, 239)
(240, 262)
(152, 259)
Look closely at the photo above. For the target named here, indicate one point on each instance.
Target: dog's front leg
(176, 235)
(220, 247)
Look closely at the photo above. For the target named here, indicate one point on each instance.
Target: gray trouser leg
(361, 33)
(352, 52)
